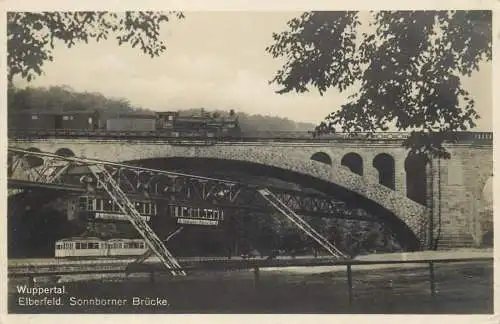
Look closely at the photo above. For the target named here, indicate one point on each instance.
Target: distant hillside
(258, 122)
(63, 98)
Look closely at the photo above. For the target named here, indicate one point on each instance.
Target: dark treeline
(64, 98)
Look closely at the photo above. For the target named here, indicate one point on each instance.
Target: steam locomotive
(93, 123)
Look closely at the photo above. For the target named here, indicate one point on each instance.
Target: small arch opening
(416, 178)
(66, 152)
(322, 157)
(33, 161)
(384, 163)
(354, 162)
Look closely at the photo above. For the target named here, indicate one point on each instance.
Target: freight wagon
(54, 120)
(132, 123)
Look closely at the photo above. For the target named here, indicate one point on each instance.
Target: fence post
(256, 273)
(432, 279)
(31, 281)
(349, 283)
(152, 277)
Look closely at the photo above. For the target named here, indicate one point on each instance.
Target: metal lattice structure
(150, 237)
(27, 168)
(121, 182)
(300, 223)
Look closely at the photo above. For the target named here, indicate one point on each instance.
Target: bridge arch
(354, 162)
(385, 165)
(403, 214)
(322, 157)
(406, 227)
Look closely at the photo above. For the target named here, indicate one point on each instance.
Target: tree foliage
(33, 35)
(406, 65)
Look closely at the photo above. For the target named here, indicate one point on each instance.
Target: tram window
(107, 205)
(82, 203)
(99, 205)
(147, 209)
(78, 246)
(116, 208)
(90, 204)
(140, 207)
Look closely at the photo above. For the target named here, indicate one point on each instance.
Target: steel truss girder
(135, 181)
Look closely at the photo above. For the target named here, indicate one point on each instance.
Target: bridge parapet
(302, 136)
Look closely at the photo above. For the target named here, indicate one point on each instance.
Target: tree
(407, 69)
(31, 35)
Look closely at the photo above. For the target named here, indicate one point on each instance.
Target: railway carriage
(31, 120)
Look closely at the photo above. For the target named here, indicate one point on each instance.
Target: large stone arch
(404, 214)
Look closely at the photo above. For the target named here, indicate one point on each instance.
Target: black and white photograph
(249, 162)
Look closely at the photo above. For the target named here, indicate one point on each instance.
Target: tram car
(93, 247)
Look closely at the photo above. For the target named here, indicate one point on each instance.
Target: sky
(214, 60)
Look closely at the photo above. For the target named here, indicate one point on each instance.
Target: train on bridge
(151, 124)
(173, 125)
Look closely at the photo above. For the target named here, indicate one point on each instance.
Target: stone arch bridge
(443, 198)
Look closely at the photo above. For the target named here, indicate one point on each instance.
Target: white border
(237, 5)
